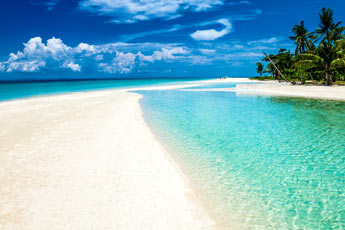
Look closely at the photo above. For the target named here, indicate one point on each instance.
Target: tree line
(319, 55)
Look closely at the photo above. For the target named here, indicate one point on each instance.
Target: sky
(73, 39)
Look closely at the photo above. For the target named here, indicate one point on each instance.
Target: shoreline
(274, 88)
(59, 169)
(176, 85)
(287, 90)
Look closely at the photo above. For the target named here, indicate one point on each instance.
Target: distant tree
(283, 60)
(259, 68)
(271, 70)
(302, 38)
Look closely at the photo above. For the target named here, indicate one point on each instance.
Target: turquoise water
(258, 162)
(225, 85)
(9, 91)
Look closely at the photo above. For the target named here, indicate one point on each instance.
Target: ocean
(257, 162)
(17, 90)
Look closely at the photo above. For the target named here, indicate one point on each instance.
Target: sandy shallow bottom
(88, 161)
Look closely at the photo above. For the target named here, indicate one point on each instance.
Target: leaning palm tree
(328, 30)
(302, 38)
(326, 57)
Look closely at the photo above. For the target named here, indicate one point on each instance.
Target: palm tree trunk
(328, 74)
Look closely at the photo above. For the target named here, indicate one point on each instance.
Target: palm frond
(305, 63)
(339, 61)
(308, 56)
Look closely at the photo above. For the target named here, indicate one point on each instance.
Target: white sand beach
(275, 88)
(285, 89)
(230, 80)
(89, 161)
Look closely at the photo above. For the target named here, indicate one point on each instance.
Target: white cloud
(240, 2)
(212, 34)
(168, 53)
(34, 48)
(165, 54)
(238, 47)
(71, 65)
(248, 54)
(121, 63)
(128, 11)
(266, 41)
(88, 49)
(56, 56)
(99, 57)
(26, 66)
(36, 54)
(207, 51)
(2, 67)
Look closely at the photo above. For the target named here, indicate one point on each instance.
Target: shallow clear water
(224, 85)
(15, 90)
(259, 162)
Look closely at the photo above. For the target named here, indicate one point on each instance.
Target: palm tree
(328, 52)
(302, 38)
(260, 68)
(326, 56)
(328, 31)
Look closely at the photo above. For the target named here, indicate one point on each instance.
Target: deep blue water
(16, 90)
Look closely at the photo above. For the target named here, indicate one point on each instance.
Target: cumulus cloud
(129, 11)
(212, 34)
(111, 58)
(86, 48)
(36, 55)
(164, 54)
(54, 56)
(71, 65)
(26, 66)
(122, 63)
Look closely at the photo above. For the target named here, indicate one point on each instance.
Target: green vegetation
(260, 68)
(319, 55)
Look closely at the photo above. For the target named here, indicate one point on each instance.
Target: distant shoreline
(268, 88)
(272, 88)
(104, 79)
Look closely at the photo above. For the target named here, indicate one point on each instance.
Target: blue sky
(60, 39)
